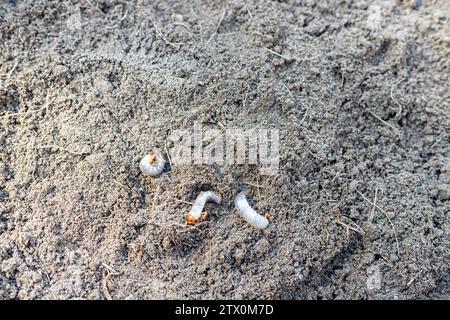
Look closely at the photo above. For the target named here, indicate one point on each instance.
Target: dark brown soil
(358, 89)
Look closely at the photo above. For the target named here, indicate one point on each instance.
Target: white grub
(196, 211)
(249, 214)
(153, 163)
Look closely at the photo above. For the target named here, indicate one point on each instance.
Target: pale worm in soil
(153, 163)
(249, 214)
(196, 211)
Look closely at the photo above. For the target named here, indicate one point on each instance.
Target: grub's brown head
(152, 157)
(190, 219)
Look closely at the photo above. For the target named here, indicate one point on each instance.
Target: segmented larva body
(196, 211)
(153, 163)
(249, 214)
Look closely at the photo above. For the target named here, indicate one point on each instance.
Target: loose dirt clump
(357, 89)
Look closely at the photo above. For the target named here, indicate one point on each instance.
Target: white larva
(249, 214)
(153, 163)
(196, 211)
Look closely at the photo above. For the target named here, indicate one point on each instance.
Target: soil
(357, 89)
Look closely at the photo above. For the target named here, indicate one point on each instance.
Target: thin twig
(96, 8)
(399, 112)
(257, 186)
(337, 174)
(124, 15)
(354, 223)
(289, 91)
(30, 111)
(437, 141)
(21, 113)
(372, 212)
(311, 153)
(338, 221)
(187, 30)
(414, 278)
(385, 123)
(217, 27)
(228, 132)
(386, 215)
(221, 125)
(105, 286)
(109, 268)
(109, 273)
(121, 184)
(160, 34)
(249, 13)
(276, 53)
(178, 225)
(45, 107)
(304, 117)
(382, 257)
(182, 201)
(12, 70)
(164, 76)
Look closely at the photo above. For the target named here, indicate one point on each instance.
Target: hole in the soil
(201, 187)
